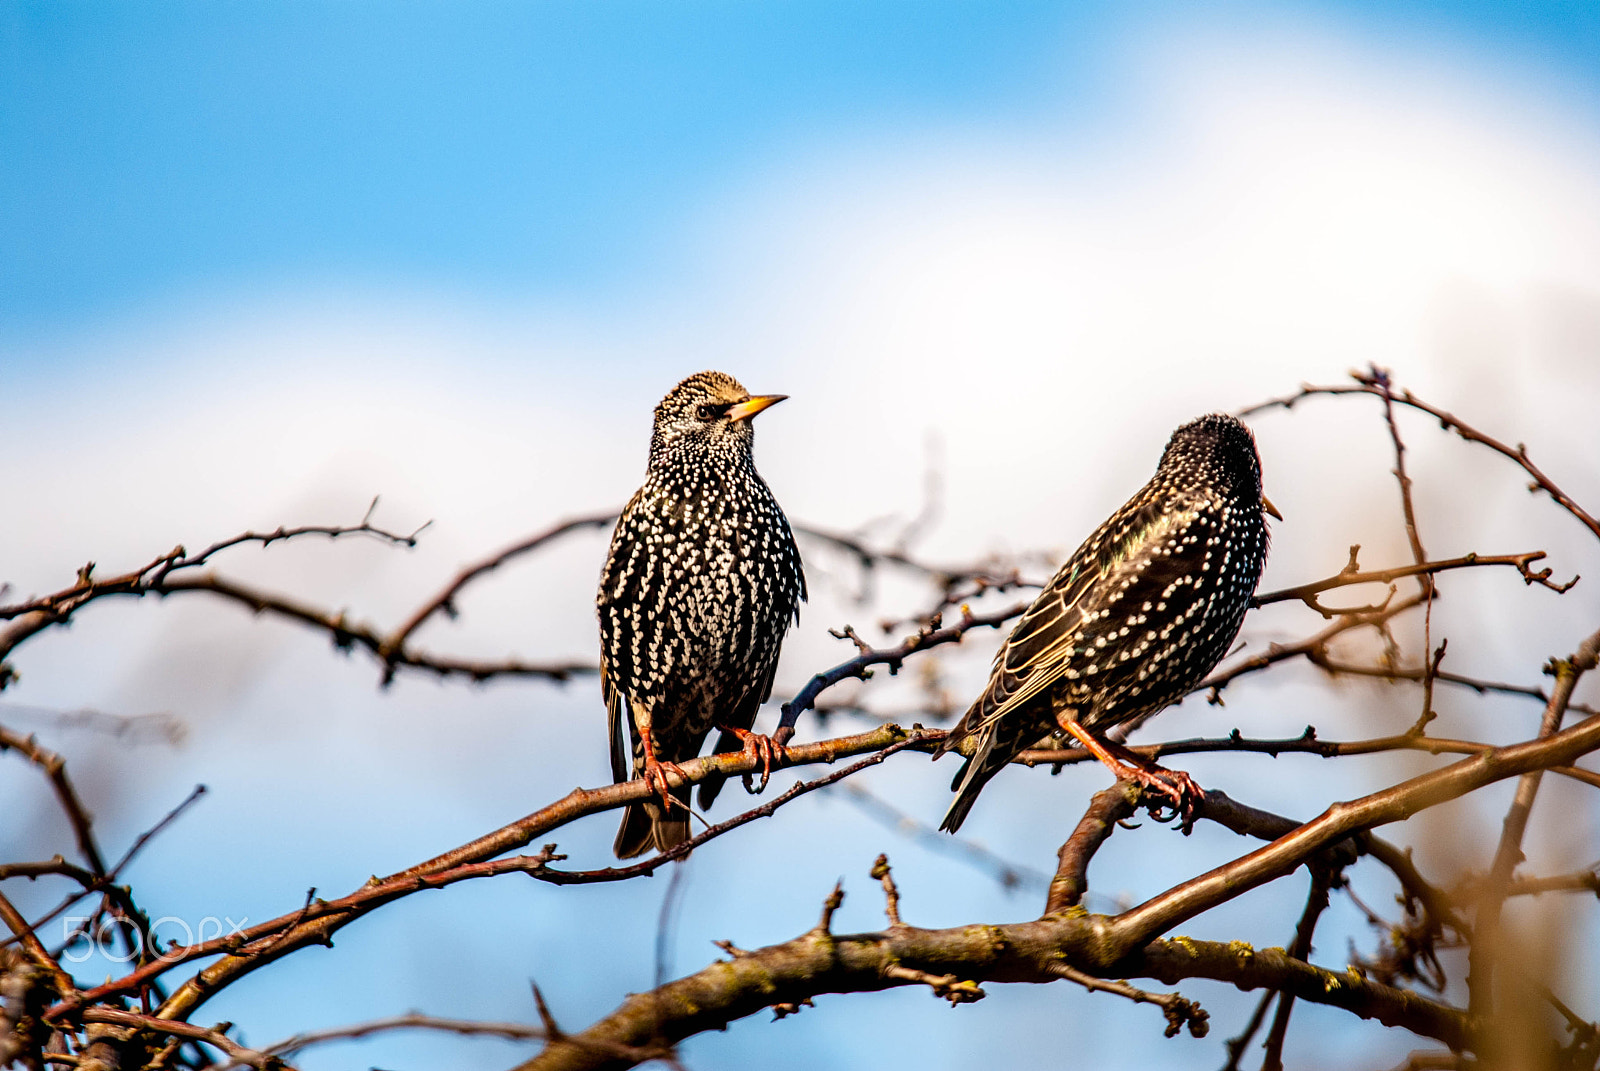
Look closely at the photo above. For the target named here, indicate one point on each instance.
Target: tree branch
(259, 945)
(390, 650)
(932, 634)
(819, 962)
(1485, 946)
(1519, 454)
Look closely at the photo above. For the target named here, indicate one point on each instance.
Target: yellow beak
(753, 405)
(1272, 511)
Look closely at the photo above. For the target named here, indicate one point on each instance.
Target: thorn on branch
(829, 906)
(788, 1008)
(552, 1032)
(731, 949)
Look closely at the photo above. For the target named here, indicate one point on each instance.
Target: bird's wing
(1061, 623)
(621, 745)
(799, 568)
(621, 579)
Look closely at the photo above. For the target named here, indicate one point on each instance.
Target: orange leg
(1175, 785)
(655, 772)
(759, 745)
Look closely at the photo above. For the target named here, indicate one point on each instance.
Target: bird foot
(655, 776)
(1174, 786)
(763, 747)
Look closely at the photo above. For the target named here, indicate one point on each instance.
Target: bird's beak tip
(753, 405)
(1271, 510)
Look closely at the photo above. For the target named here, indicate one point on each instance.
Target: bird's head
(1222, 448)
(708, 411)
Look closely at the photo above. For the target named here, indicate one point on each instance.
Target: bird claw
(1177, 789)
(655, 776)
(763, 747)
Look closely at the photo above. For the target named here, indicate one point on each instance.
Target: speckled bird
(1134, 620)
(702, 581)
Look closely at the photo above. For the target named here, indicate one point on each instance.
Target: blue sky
(159, 152)
(157, 149)
(259, 262)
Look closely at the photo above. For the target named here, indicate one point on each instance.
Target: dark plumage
(702, 581)
(1136, 617)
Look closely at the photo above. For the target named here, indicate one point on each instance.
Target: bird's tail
(647, 824)
(970, 779)
(712, 784)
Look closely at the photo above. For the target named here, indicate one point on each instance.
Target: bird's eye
(711, 411)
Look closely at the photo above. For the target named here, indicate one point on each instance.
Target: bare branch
(1307, 743)
(1509, 851)
(236, 1053)
(55, 769)
(1518, 454)
(820, 962)
(1307, 593)
(1180, 1012)
(173, 573)
(1160, 914)
(259, 945)
(19, 926)
(408, 1021)
(346, 634)
(1322, 879)
(1586, 880)
(390, 649)
(932, 634)
(1108, 807)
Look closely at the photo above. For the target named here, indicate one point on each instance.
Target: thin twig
(1518, 454)
(237, 1053)
(409, 1021)
(932, 634)
(389, 650)
(1179, 1010)
(1322, 879)
(1508, 853)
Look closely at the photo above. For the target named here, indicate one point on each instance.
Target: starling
(1135, 619)
(702, 581)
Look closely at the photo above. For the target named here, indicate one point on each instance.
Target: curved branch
(1123, 946)
(932, 634)
(390, 649)
(1159, 914)
(1508, 853)
(818, 962)
(347, 634)
(1307, 593)
(257, 946)
(1306, 743)
(1310, 647)
(409, 1021)
(1367, 384)
(157, 578)
(1108, 807)
(237, 1053)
